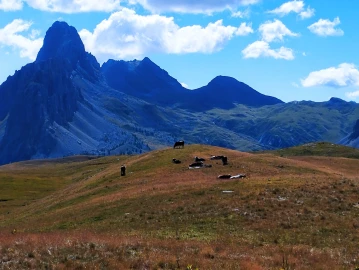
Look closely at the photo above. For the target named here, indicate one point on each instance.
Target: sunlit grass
(162, 215)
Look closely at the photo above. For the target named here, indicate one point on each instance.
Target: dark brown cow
(216, 157)
(196, 164)
(224, 160)
(224, 176)
(123, 170)
(179, 144)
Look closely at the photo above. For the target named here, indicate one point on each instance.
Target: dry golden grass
(290, 213)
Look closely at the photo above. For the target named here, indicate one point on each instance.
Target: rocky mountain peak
(62, 40)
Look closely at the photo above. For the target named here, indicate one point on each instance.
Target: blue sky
(293, 50)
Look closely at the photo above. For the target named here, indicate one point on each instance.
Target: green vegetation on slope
(325, 149)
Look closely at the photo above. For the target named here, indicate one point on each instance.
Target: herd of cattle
(199, 162)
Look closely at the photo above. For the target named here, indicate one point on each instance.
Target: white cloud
(262, 49)
(296, 7)
(308, 13)
(9, 36)
(288, 7)
(270, 31)
(244, 29)
(126, 34)
(326, 28)
(352, 95)
(274, 31)
(190, 6)
(343, 75)
(155, 6)
(10, 5)
(64, 6)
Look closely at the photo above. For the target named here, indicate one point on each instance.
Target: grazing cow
(179, 144)
(224, 176)
(216, 157)
(198, 159)
(176, 161)
(224, 160)
(123, 170)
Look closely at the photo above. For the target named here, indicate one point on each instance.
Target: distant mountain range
(65, 103)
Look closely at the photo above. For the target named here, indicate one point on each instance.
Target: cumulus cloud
(274, 31)
(270, 31)
(344, 75)
(244, 29)
(10, 5)
(296, 7)
(352, 95)
(308, 13)
(262, 49)
(126, 34)
(326, 28)
(28, 46)
(155, 6)
(64, 6)
(190, 6)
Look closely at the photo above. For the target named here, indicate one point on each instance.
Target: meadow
(294, 210)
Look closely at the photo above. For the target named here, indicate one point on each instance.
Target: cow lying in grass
(176, 161)
(228, 176)
(200, 164)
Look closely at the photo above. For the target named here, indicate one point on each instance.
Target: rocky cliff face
(355, 134)
(353, 138)
(63, 42)
(43, 110)
(42, 93)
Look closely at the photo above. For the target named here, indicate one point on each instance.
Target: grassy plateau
(297, 208)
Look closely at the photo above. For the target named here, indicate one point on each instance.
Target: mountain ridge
(65, 103)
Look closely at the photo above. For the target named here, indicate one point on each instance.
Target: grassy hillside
(319, 149)
(289, 212)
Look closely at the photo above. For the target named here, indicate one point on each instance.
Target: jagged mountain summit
(65, 103)
(45, 106)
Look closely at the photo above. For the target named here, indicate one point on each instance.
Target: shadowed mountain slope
(224, 92)
(144, 79)
(353, 138)
(45, 106)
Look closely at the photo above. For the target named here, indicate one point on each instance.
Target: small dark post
(224, 160)
(123, 170)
